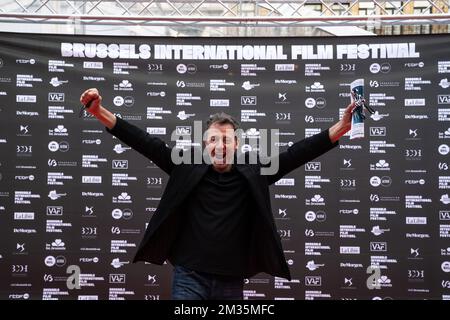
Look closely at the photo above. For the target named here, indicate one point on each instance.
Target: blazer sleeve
(151, 147)
(300, 153)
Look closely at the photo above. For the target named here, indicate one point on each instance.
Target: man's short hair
(222, 118)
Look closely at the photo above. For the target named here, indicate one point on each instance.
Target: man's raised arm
(310, 148)
(151, 147)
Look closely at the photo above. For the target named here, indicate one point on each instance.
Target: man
(214, 222)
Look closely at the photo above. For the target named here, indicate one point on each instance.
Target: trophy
(357, 97)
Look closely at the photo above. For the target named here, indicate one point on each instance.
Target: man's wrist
(338, 130)
(106, 117)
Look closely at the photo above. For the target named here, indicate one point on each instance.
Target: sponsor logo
(120, 164)
(313, 281)
(377, 131)
(56, 97)
(248, 100)
(25, 98)
(313, 166)
(444, 99)
(444, 83)
(117, 278)
(378, 246)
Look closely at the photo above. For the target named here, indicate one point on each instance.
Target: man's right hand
(93, 98)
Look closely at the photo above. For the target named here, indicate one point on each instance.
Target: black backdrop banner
(368, 220)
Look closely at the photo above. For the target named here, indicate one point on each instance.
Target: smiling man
(214, 222)
(221, 141)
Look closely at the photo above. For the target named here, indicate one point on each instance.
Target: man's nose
(220, 145)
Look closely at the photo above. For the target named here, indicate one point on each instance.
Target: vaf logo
(55, 210)
(248, 100)
(377, 131)
(313, 166)
(117, 278)
(444, 99)
(313, 281)
(444, 215)
(183, 130)
(56, 96)
(120, 164)
(378, 246)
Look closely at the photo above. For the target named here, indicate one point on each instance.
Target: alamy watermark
(73, 281)
(259, 147)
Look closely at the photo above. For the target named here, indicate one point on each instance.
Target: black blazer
(265, 244)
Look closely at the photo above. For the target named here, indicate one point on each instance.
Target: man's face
(221, 144)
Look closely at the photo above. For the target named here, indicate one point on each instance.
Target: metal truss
(181, 14)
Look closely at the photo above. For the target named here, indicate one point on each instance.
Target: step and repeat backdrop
(75, 201)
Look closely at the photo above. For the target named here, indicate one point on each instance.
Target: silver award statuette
(86, 106)
(357, 97)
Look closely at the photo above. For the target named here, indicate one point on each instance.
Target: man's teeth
(219, 158)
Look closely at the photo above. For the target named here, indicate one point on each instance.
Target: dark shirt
(214, 234)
